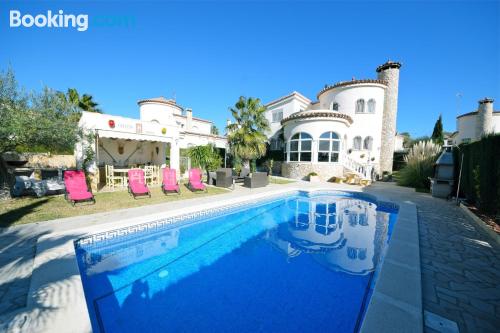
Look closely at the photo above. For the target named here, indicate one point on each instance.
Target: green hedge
(480, 182)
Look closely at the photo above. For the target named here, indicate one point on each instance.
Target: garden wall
(480, 182)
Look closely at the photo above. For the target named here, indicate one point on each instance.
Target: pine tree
(437, 133)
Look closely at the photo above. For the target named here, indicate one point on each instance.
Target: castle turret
(484, 120)
(389, 72)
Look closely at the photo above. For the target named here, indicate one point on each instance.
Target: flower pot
(314, 179)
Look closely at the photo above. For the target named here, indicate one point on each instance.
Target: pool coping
(56, 291)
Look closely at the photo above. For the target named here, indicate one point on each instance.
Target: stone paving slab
(460, 263)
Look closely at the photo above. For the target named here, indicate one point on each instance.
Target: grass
(280, 181)
(30, 209)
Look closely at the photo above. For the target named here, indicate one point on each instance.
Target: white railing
(363, 170)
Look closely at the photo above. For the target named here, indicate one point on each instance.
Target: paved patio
(460, 264)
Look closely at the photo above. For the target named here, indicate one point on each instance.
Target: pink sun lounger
(76, 187)
(195, 183)
(136, 183)
(170, 183)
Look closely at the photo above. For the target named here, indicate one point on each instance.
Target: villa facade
(163, 128)
(351, 127)
(473, 125)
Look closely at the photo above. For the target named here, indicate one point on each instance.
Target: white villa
(350, 128)
(163, 128)
(473, 125)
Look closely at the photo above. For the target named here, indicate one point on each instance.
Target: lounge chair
(258, 179)
(170, 183)
(76, 187)
(136, 183)
(224, 178)
(195, 183)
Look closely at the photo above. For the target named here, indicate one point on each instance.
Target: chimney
(389, 72)
(484, 120)
(189, 119)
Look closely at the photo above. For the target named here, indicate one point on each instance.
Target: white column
(175, 156)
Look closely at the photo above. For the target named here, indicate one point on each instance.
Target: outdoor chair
(170, 183)
(241, 177)
(195, 183)
(224, 178)
(111, 179)
(148, 174)
(258, 179)
(76, 187)
(136, 183)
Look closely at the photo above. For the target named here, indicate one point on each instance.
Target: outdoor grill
(442, 183)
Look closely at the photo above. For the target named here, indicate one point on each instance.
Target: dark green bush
(480, 182)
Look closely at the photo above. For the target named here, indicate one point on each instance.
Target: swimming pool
(294, 263)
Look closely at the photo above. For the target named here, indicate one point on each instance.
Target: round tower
(389, 72)
(484, 120)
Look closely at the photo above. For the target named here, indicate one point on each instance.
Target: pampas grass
(419, 165)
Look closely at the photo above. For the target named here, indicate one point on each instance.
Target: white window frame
(277, 116)
(365, 145)
(360, 106)
(299, 139)
(330, 141)
(371, 105)
(354, 142)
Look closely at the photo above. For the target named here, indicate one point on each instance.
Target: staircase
(364, 171)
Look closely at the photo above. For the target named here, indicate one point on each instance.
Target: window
(466, 140)
(277, 116)
(356, 143)
(360, 106)
(371, 106)
(334, 106)
(300, 147)
(368, 143)
(328, 147)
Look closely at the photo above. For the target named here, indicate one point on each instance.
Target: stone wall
(299, 170)
(391, 76)
(44, 160)
(484, 122)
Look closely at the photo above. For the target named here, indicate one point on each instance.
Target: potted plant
(313, 177)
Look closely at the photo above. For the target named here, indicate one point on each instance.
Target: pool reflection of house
(344, 235)
(140, 249)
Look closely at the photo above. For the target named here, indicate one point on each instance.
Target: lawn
(31, 209)
(279, 180)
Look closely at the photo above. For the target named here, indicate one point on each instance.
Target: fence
(480, 182)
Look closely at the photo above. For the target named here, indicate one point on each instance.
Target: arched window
(368, 143)
(300, 147)
(360, 106)
(328, 147)
(334, 106)
(356, 143)
(371, 106)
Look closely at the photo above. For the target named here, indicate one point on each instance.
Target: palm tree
(246, 136)
(205, 157)
(85, 102)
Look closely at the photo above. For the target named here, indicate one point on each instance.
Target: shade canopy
(132, 136)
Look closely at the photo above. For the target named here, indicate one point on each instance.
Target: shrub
(480, 182)
(312, 174)
(419, 165)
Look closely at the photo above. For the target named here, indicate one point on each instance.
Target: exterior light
(163, 130)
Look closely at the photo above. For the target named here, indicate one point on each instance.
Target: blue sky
(206, 54)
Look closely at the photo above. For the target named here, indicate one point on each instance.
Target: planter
(314, 179)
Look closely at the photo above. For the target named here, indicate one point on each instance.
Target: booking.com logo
(59, 19)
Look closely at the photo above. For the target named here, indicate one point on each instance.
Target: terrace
(444, 252)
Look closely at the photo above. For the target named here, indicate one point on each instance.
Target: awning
(132, 136)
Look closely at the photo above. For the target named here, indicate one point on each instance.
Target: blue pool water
(301, 263)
